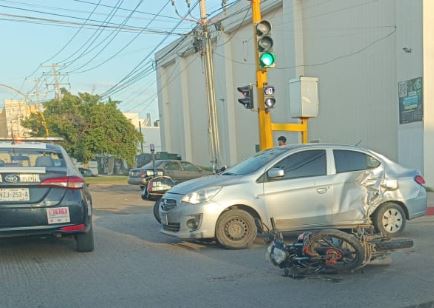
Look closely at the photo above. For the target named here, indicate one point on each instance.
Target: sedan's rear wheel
(236, 229)
(389, 219)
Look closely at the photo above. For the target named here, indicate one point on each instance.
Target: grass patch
(115, 179)
(429, 189)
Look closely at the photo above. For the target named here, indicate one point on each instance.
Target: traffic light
(247, 99)
(269, 99)
(265, 44)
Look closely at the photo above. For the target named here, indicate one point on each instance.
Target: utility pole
(209, 72)
(56, 80)
(264, 117)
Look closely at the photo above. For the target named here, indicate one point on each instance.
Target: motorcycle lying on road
(330, 251)
(155, 189)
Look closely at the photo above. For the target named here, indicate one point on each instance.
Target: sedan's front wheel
(236, 229)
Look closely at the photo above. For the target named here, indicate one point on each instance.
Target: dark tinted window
(255, 162)
(189, 167)
(172, 166)
(347, 161)
(304, 164)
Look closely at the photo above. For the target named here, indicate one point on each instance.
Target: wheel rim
(348, 252)
(236, 229)
(392, 220)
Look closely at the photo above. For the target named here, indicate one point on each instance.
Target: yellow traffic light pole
(266, 127)
(264, 117)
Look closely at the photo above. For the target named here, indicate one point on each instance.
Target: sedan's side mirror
(275, 173)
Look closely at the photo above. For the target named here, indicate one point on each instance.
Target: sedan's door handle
(322, 190)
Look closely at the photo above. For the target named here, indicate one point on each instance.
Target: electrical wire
(69, 41)
(66, 62)
(130, 77)
(115, 34)
(129, 43)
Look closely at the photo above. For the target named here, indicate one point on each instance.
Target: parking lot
(134, 265)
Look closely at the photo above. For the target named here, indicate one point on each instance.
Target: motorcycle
(330, 251)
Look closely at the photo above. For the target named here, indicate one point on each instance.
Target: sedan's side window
(348, 161)
(304, 164)
(189, 167)
(172, 166)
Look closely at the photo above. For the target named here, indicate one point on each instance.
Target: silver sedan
(302, 187)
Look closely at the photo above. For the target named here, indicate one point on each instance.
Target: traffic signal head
(265, 44)
(247, 99)
(269, 100)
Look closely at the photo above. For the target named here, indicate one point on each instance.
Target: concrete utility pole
(56, 80)
(209, 72)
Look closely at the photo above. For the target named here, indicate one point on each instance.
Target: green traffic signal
(267, 59)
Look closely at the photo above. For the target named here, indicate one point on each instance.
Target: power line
(129, 43)
(129, 77)
(124, 9)
(92, 38)
(115, 34)
(70, 40)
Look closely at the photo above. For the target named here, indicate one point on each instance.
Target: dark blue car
(42, 193)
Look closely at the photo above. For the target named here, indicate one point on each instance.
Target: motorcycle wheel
(350, 248)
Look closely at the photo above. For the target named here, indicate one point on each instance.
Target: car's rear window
(22, 157)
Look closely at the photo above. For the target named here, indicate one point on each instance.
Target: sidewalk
(430, 209)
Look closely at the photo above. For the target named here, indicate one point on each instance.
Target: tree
(88, 126)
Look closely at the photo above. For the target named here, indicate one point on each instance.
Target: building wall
(354, 47)
(13, 112)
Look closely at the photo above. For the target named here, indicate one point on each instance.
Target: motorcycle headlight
(277, 255)
(149, 172)
(201, 196)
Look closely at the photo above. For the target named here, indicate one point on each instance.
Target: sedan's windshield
(255, 162)
(150, 165)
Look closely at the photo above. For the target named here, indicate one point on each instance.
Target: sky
(94, 43)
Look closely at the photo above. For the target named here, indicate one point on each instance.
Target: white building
(371, 57)
(151, 133)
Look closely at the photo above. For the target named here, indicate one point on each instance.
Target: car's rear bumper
(417, 206)
(43, 231)
(138, 181)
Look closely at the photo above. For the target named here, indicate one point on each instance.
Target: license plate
(14, 194)
(58, 215)
(164, 219)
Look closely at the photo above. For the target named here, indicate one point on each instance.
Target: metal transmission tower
(209, 72)
(57, 79)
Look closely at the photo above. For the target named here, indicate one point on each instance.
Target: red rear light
(73, 228)
(419, 180)
(71, 182)
(149, 187)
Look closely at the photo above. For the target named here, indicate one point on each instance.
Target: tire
(156, 210)
(85, 241)
(394, 244)
(353, 251)
(236, 229)
(389, 219)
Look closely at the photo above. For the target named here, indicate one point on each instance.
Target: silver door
(303, 196)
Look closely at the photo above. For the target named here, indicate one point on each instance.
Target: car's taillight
(419, 180)
(71, 182)
(73, 228)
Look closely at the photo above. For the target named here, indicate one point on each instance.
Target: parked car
(86, 172)
(178, 170)
(302, 187)
(42, 193)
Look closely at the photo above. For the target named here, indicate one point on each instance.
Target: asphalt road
(136, 266)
